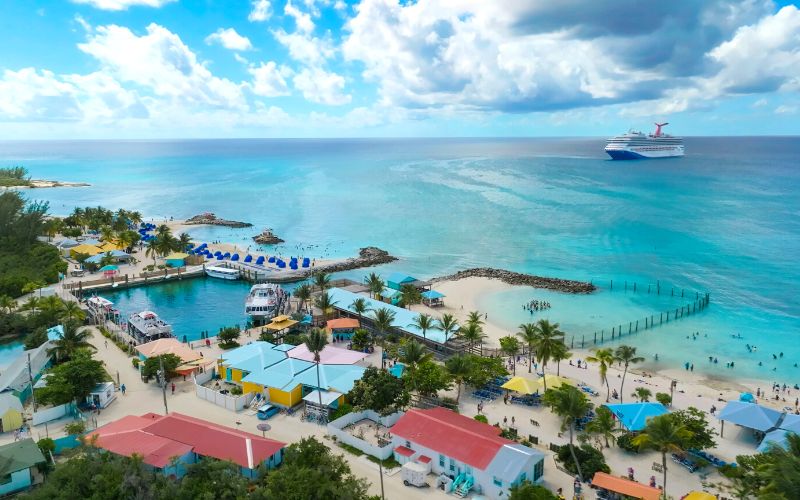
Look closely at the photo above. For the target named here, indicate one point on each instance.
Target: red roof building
(159, 438)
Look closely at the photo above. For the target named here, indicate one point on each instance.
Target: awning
(402, 450)
(432, 294)
(176, 256)
(328, 397)
(280, 325)
(750, 415)
(633, 416)
(522, 385)
(554, 381)
(625, 486)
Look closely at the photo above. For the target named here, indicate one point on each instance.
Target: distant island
(211, 219)
(17, 177)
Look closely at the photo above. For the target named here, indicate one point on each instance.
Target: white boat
(637, 145)
(264, 302)
(224, 273)
(146, 326)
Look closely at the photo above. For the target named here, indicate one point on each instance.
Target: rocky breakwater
(210, 219)
(512, 278)
(367, 257)
(267, 237)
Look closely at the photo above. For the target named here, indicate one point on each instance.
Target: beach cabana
(84, 249)
(553, 381)
(789, 424)
(248, 259)
(341, 328)
(389, 295)
(10, 412)
(522, 385)
(280, 323)
(109, 270)
(176, 259)
(750, 415)
(260, 260)
(397, 280)
(235, 257)
(432, 298)
(634, 416)
(625, 487)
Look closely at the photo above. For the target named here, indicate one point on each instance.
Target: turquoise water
(723, 219)
(8, 353)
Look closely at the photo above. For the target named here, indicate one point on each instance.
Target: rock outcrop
(210, 219)
(512, 278)
(267, 237)
(367, 257)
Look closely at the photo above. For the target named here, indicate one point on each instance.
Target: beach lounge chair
(248, 258)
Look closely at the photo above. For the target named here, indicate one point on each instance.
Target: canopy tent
(750, 415)
(108, 268)
(790, 424)
(747, 397)
(176, 255)
(432, 298)
(522, 385)
(553, 381)
(117, 255)
(108, 246)
(699, 495)
(633, 416)
(84, 249)
(328, 397)
(280, 323)
(625, 486)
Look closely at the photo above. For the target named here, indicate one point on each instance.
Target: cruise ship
(636, 145)
(264, 302)
(146, 326)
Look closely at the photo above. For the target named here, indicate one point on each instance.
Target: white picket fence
(232, 403)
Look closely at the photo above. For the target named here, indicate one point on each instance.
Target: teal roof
(403, 318)
(340, 378)
(400, 278)
(55, 333)
(283, 375)
(389, 293)
(253, 357)
(432, 294)
(633, 416)
(284, 347)
(18, 456)
(750, 415)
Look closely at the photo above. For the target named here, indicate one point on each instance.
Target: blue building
(18, 466)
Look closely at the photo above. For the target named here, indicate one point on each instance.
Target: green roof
(19, 456)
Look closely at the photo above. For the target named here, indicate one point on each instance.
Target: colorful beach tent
(553, 381)
(699, 495)
(625, 486)
(280, 323)
(84, 249)
(522, 385)
(747, 397)
(750, 415)
(633, 416)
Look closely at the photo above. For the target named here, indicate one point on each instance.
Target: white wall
(232, 403)
(49, 414)
(335, 429)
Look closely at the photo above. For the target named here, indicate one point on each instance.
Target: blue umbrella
(747, 397)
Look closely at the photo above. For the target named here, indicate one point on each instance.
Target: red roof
(423, 459)
(159, 438)
(402, 450)
(453, 435)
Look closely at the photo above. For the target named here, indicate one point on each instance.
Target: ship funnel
(658, 128)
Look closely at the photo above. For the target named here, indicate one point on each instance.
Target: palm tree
(424, 322)
(413, 354)
(70, 341)
(163, 230)
(779, 468)
(626, 355)
(374, 283)
(570, 404)
(107, 234)
(459, 367)
(383, 319)
(316, 340)
(528, 333)
(302, 293)
(322, 280)
(410, 295)
(31, 304)
(603, 424)
(475, 318)
(72, 311)
(448, 324)
(547, 342)
(560, 354)
(604, 358)
(7, 304)
(325, 304)
(359, 306)
(135, 218)
(642, 394)
(664, 434)
(184, 240)
(510, 346)
(153, 249)
(472, 333)
(51, 307)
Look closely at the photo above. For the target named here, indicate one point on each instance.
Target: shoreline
(521, 279)
(43, 184)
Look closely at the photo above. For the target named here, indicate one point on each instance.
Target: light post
(381, 443)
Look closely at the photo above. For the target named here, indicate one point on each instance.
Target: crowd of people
(536, 305)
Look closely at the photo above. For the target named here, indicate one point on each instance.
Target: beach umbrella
(220, 257)
(249, 258)
(747, 397)
(554, 381)
(699, 495)
(109, 267)
(522, 385)
(235, 257)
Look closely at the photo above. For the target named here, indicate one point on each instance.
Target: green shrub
(135, 362)
(590, 458)
(341, 411)
(481, 418)
(625, 442)
(236, 390)
(47, 446)
(76, 427)
(663, 398)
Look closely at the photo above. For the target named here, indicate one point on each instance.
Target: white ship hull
(636, 153)
(636, 145)
(223, 273)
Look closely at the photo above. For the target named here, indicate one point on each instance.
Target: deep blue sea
(723, 219)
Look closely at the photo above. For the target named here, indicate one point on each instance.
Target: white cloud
(322, 87)
(304, 47)
(162, 63)
(302, 20)
(786, 109)
(261, 11)
(340, 5)
(82, 22)
(269, 80)
(760, 103)
(123, 4)
(230, 39)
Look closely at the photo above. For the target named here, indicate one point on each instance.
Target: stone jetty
(267, 237)
(367, 257)
(210, 219)
(512, 278)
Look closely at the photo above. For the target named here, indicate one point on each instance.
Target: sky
(129, 69)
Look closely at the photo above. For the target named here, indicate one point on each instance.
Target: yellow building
(10, 412)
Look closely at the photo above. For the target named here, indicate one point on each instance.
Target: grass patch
(352, 449)
(389, 463)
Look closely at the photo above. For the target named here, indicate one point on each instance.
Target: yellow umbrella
(699, 495)
(522, 385)
(553, 381)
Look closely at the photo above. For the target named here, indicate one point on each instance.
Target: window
(522, 477)
(408, 444)
(538, 470)
(441, 460)
(467, 469)
(497, 482)
(452, 464)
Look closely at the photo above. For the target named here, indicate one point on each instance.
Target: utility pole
(30, 379)
(381, 442)
(163, 383)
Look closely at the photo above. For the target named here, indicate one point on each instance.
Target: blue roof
(55, 333)
(750, 415)
(284, 375)
(253, 357)
(432, 294)
(400, 278)
(633, 416)
(403, 318)
(340, 378)
(389, 293)
(791, 422)
(284, 347)
(95, 259)
(776, 437)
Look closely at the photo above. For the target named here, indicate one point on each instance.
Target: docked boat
(264, 302)
(224, 273)
(637, 145)
(146, 326)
